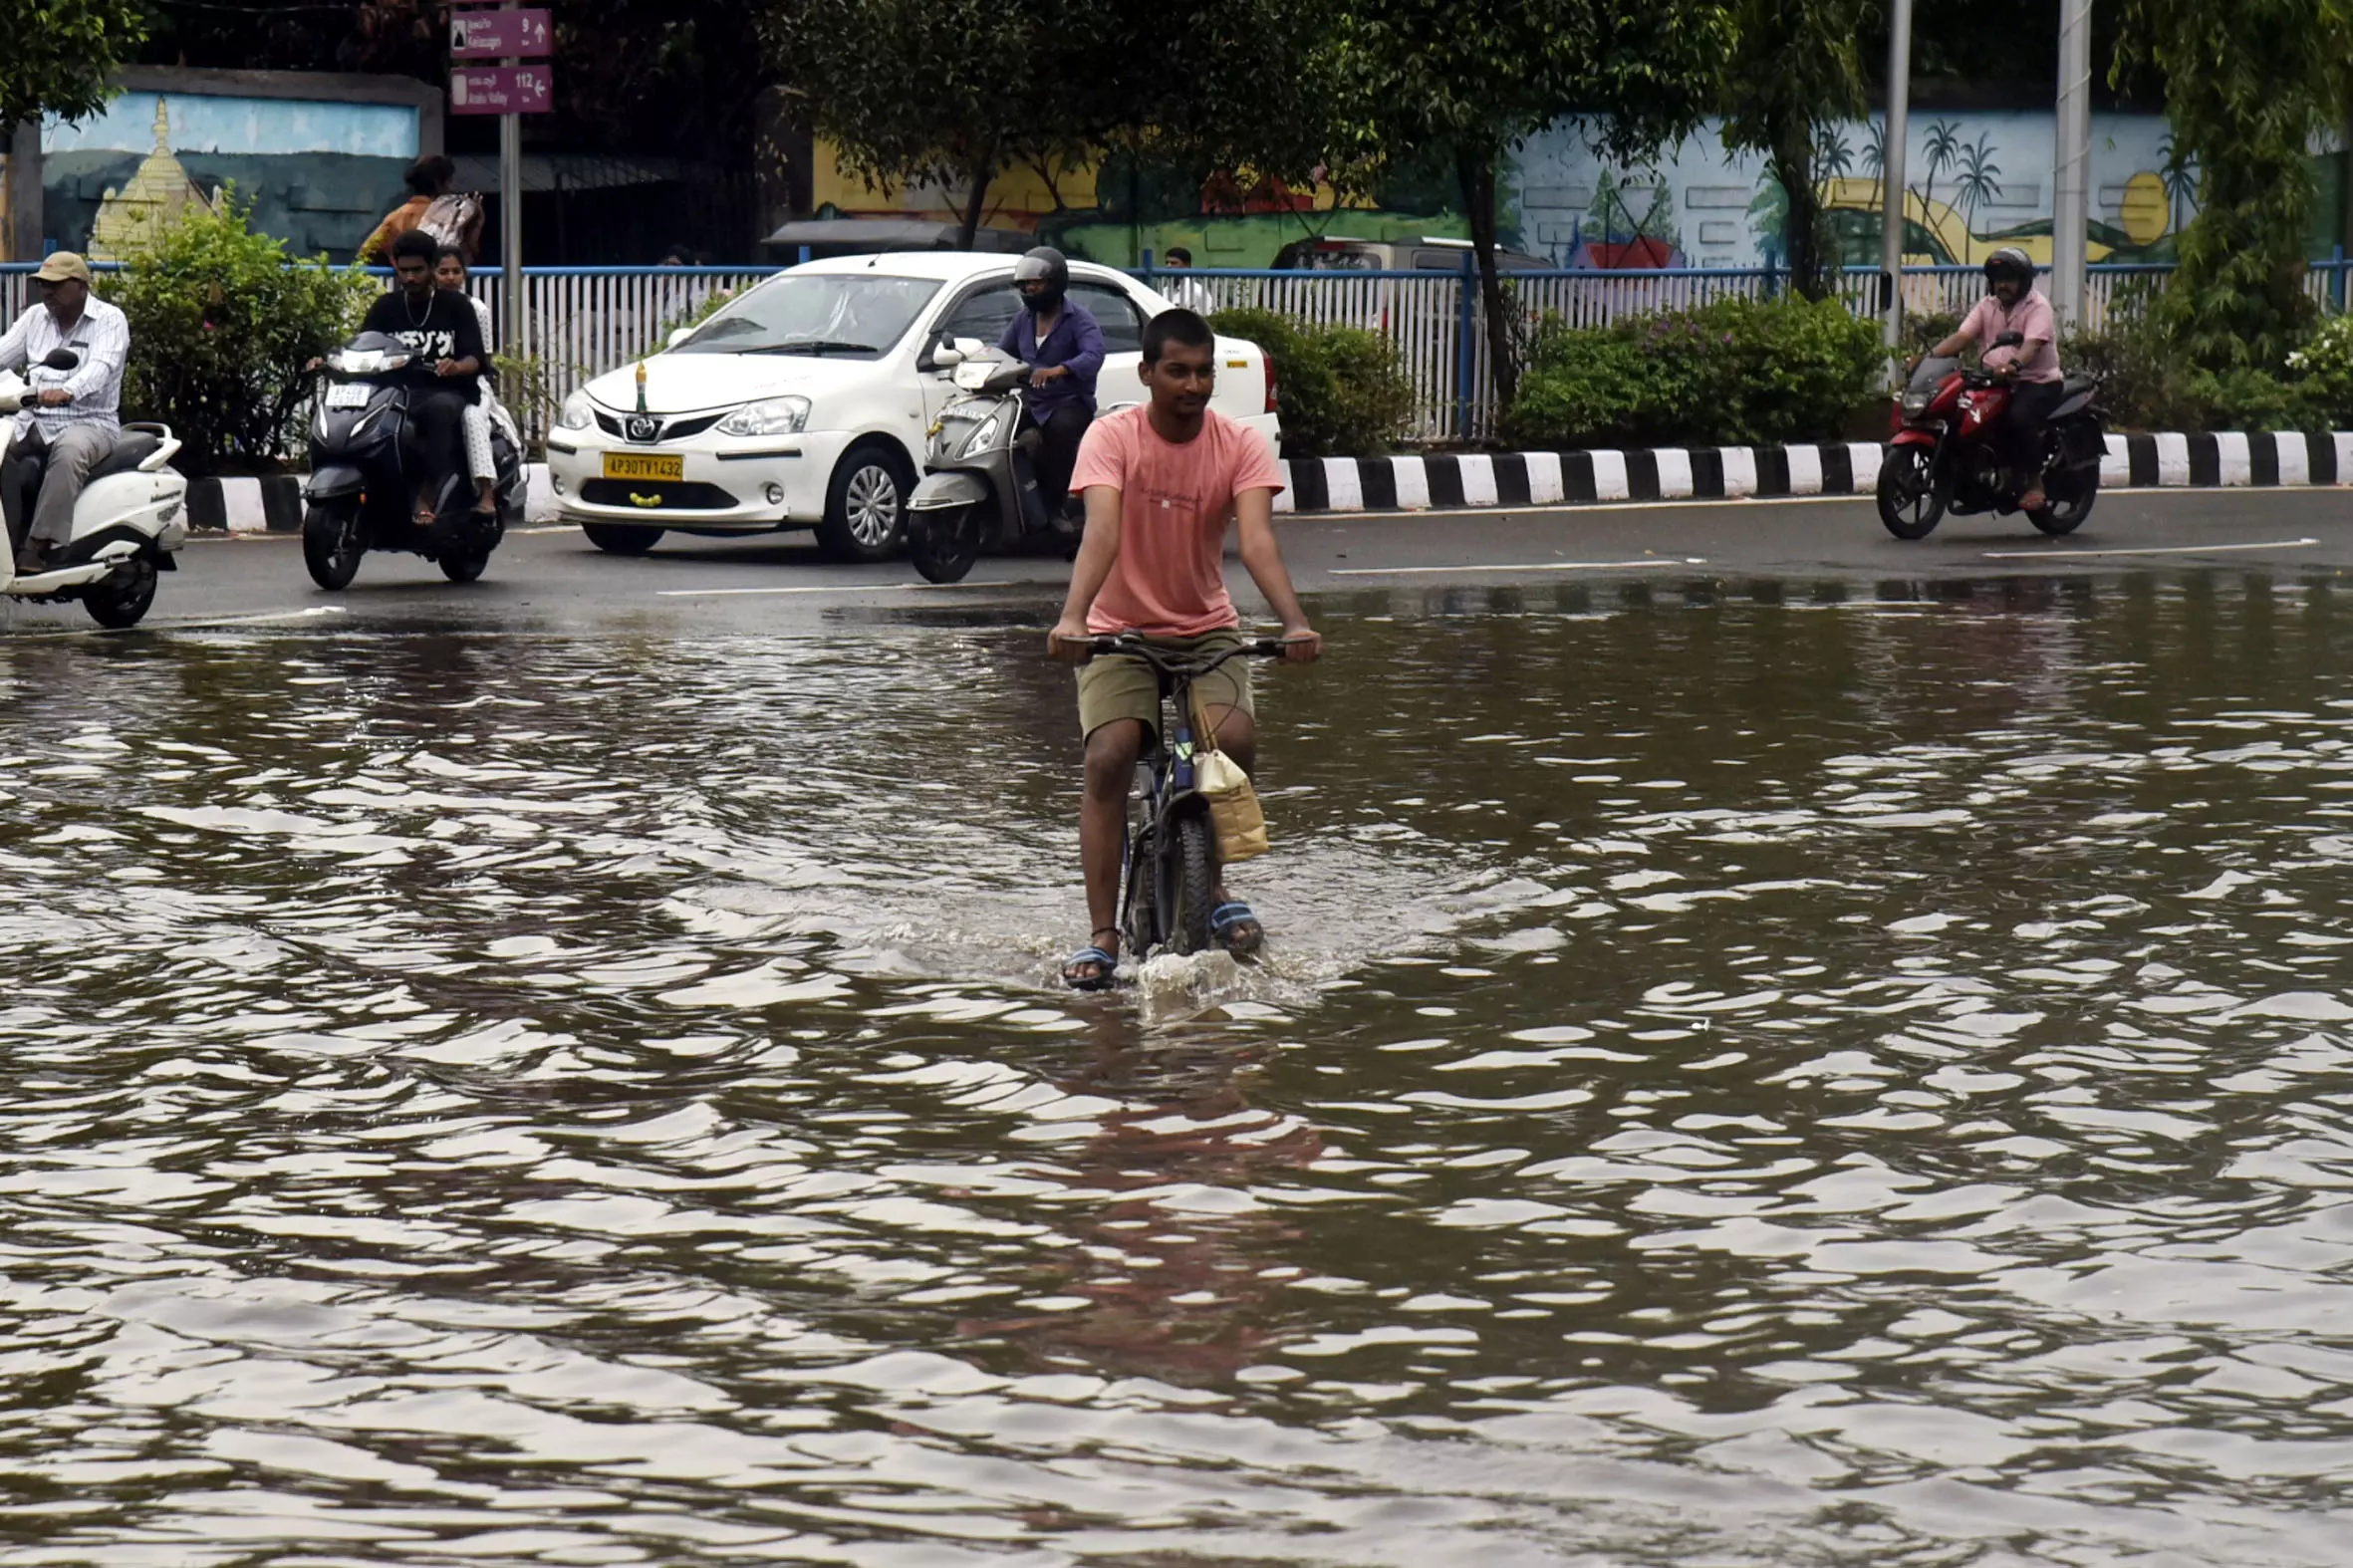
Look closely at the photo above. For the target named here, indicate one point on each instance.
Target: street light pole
(1893, 140)
(510, 224)
(2071, 133)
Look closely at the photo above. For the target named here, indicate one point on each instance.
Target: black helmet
(1041, 277)
(2009, 262)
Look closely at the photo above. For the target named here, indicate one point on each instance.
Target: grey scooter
(982, 484)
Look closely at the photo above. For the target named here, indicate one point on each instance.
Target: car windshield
(858, 315)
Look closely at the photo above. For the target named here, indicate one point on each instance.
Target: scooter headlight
(576, 414)
(980, 439)
(775, 417)
(366, 361)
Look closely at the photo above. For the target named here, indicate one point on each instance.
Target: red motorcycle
(1944, 457)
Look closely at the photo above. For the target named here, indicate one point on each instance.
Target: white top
(101, 338)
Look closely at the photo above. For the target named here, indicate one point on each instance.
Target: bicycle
(1170, 887)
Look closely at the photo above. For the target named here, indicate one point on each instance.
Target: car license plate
(644, 465)
(349, 395)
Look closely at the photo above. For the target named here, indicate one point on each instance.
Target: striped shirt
(101, 339)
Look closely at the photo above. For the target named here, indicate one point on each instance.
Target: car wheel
(866, 505)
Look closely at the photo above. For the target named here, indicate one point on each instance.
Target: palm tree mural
(1941, 149)
(1832, 156)
(2178, 167)
(1979, 180)
(1875, 163)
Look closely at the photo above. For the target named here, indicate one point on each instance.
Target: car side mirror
(948, 354)
(970, 348)
(62, 359)
(679, 335)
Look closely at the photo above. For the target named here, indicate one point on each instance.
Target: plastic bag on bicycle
(1233, 805)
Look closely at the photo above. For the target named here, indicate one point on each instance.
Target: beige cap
(62, 265)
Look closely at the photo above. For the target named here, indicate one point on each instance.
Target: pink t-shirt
(1174, 502)
(2030, 319)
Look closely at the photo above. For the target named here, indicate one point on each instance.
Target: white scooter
(128, 521)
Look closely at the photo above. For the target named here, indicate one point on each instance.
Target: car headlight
(577, 415)
(979, 440)
(776, 416)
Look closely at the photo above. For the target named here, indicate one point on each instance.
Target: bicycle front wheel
(1196, 886)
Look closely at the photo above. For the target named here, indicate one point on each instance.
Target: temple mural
(320, 174)
(1973, 181)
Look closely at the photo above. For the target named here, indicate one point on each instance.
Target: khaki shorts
(1119, 686)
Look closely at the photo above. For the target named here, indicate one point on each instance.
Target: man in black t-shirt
(445, 337)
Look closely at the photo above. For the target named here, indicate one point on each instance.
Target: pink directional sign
(490, 35)
(502, 89)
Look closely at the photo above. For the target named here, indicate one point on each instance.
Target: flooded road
(1747, 1074)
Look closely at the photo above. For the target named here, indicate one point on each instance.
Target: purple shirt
(2030, 319)
(1076, 341)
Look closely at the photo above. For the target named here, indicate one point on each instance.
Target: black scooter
(364, 475)
(982, 485)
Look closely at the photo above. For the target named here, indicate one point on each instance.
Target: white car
(808, 401)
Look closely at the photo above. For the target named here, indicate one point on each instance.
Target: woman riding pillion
(2031, 369)
(1160, 481)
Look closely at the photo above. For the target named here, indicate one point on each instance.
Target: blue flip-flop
(1106, 965)
(1223, 921)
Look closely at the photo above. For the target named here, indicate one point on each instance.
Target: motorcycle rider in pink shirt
(2031, 369)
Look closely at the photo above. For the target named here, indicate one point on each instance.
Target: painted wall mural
(321, 174)
(1973, 182)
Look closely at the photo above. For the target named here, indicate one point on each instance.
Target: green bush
(1734, 372)
(222, 321)
(1345, 392)
(2324, 367)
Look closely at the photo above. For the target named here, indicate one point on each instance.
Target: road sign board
(494, 35)
(502, 89)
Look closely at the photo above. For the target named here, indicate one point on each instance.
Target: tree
(1939, 151)
(60, 55)
(2249, 84)
(1979, 178)
(954, 91)
(1791, 71)
(2179, 170)
(1411, 74)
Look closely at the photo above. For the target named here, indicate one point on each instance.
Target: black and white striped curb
(1673, 473)
(273, 504)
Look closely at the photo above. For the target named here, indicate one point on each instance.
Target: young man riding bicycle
(1160, 481)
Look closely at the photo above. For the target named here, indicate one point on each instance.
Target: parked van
(1337, 253)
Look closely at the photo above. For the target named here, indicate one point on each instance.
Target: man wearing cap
(72, 417)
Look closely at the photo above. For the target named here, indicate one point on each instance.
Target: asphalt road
(554, 579)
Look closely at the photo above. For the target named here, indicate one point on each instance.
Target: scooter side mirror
(62, 359)
(2009, 340)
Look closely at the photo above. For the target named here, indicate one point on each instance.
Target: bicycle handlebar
(1173, 661)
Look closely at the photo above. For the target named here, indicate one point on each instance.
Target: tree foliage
(61, 52)
(954, 92)
(2250, 86)
(222, 324)
(1793, 70)
(1414, 72)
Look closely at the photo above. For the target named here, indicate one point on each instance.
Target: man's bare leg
(1112, 751)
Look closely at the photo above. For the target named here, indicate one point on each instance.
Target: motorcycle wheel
(1908, 505)
(332, 546)
(465, 567)
(1196, 886)
(2067, 506)
(121, 600)
(619, 539)
(945, 544)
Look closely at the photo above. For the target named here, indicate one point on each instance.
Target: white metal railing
(579, 321)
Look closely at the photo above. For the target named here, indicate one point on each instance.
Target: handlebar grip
(1266, 648)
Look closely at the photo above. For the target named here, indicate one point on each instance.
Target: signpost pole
(1893, 141)
(2072, 161)
(510, 224)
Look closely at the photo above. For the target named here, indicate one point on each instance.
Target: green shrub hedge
(1344, 392)
(1734, 372)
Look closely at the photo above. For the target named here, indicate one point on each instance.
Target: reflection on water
(1747, 1075)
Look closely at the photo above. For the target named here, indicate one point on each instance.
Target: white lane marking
(1524, 566)
(185, 623)
(2045, 555)
(828, 588)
